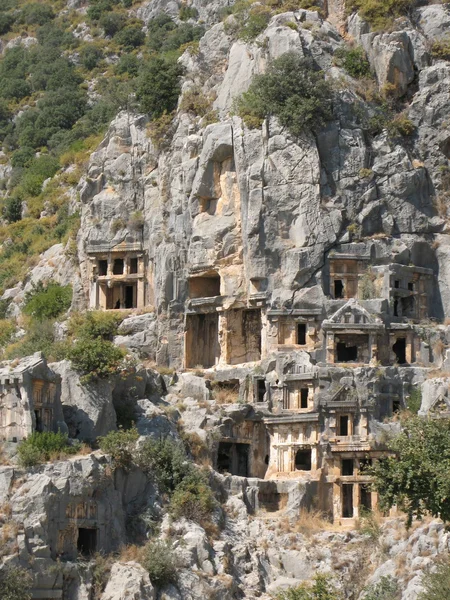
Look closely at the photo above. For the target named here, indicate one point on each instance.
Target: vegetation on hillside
(293, 90)
(416, 477)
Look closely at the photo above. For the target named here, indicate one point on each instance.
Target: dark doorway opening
(102, 267)
(133, 266)
(129, 302)
(347, 501)
(395, 406)
(343, 425)
(118, 266)
(366, 497)
(397, 283)
(303, 460)
(396, 307)
(233, 458)
(301, 334)
(338, 288)
(411, 286)
(87, 541)
(399, 349)
(304, 398)
(260, 390)
(346, 353)
(38, 421)
(347, 466)
(408, 306)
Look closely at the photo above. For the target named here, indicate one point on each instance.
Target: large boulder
(88, 408)
(128, 581)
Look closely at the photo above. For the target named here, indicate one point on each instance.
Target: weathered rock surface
(128, 581)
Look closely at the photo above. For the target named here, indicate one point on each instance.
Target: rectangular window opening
(343, 425)
(347, 466)
(304, 397)
(301, 334)
(133, 266)
(102, 267)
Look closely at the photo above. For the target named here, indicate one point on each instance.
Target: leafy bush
(40, 337)
(159, 561)
(130, 37)
(121, 445)
(195, 101)
(400, 125)
(13, 208)
(166, 460)
(23, 157)
(128, 63)
(291, 90)
(95, 358)
(6, 22)
(386, 589)
(7, 330)
(112, 23)
(15, 583)
(94, 324)
(380, 13)
(187, 12)
(193, 499)
(437, 583)
(321, 589)
(255, 23)
(48, 302)
(165, 36)
(354, 61)
(414, 402)
(441, 49)
(90, 56)
(158, 85)
(416, 477)
(39, 447)
(35, 13)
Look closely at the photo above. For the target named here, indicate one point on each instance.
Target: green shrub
(121, 445)
(437, 583)
(40, 337)
(441, 49)
(195, 101)
(90, 56)
(320, 589)
(13, 208)
(35, 13)
(159, 561)
(6, 22)
(166, 460)
(95, 358)
(380, 13)
(112, 23)
(23, 157)
(400, 126)
(255, 23)
(48, 302)
(164, 35)
(416, 477)
(15, 583)
(414, 402)
(158, 85)
(4, 306)
(193, 499)
(354, 61)
(291, 90)
(130, 37)
(7, 331)
(187, 12)
(94, 324)
(128, 63)
(40, 447)
(386, 589)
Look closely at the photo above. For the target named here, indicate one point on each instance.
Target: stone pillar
(140, 298)
(356, 499)
(329, 344)
(93, 295)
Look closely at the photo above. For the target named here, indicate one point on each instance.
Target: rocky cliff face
(248, 258)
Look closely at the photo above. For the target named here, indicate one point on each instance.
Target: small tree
(193, 499)
(121, 445)
(158, 85)
(159, 561)
(320, 589)
(48, 302)
(15, 583)
(417, 477)
(293, 90)
(95, 359)
(166, 460)
(437, 583)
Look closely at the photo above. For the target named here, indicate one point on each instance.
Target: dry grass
(131, 553)
(225, 393)
(438, 349)
(311, 522)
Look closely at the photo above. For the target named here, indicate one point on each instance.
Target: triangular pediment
(352, 312)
